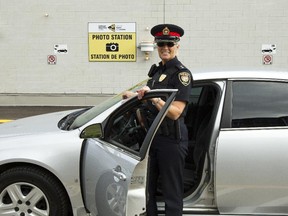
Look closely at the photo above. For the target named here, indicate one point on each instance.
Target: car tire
(29, 191)
(114, 191)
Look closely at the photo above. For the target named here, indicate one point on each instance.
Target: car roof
(239, 74)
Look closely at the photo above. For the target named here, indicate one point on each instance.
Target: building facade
(48, 55)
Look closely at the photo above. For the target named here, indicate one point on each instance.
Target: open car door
(114, 166)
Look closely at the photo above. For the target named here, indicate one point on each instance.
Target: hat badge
(166, 31)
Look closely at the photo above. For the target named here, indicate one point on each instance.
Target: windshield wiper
(67, 121)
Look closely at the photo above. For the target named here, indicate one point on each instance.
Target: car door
(114, 166)
(251, 164)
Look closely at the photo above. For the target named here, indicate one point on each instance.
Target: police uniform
(170, 145)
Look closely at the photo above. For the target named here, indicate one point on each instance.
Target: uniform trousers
(166, 160)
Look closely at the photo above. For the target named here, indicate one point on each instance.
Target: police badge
(162, 77)
(166, 31)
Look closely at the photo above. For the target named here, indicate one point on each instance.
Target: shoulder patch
(184, 78)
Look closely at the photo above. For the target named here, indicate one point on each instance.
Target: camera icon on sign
(112, 47)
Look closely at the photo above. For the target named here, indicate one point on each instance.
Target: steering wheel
(121, 125)
(142, 120)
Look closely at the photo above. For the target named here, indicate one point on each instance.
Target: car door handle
(119, 174)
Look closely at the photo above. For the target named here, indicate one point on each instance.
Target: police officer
(170, 145)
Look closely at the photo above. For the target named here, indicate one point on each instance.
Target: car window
(129, 127)
(98, 109)
(200, 107)
(259, 104)
(195, 94)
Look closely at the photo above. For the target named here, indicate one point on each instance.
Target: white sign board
(268, 48)
(60, 49)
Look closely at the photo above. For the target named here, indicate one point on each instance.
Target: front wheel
(30, 191)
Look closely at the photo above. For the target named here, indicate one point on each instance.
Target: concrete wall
(218, 34)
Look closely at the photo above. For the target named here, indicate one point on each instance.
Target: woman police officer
(169, 147)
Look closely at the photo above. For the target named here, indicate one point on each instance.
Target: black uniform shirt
(172, 75)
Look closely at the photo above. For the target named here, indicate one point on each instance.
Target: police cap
(167, 32)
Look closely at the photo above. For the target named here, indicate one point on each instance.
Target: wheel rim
(22, 199)
(116, 197)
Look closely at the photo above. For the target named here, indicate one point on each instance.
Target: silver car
(94, 161)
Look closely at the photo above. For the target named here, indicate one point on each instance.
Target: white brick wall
(218, 34)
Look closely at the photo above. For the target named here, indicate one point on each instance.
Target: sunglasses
(162, 44)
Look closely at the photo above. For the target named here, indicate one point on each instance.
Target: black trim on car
(227, 108)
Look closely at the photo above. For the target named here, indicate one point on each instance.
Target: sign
(112, 42)
(60, 48)
(51, 59)
(268, 48)
(267, 59)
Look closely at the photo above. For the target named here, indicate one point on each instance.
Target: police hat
(167, 32)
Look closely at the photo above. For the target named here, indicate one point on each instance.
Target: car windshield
(96, 110)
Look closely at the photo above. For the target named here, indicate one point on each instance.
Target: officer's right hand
(128, 94)
(141, 92)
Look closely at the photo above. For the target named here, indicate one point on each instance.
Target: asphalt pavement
(8, 113)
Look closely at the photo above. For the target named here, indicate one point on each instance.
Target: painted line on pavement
(5, 120)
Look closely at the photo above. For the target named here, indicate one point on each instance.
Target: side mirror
(92, 131)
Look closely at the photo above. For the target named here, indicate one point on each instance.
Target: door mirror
(92, 131)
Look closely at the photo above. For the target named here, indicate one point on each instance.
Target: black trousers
(167, 159)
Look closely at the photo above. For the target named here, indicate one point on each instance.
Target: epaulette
(181, 67)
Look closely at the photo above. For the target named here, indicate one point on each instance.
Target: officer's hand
(141, 92)
(128, 94)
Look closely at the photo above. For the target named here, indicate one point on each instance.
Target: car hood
(45, 123)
